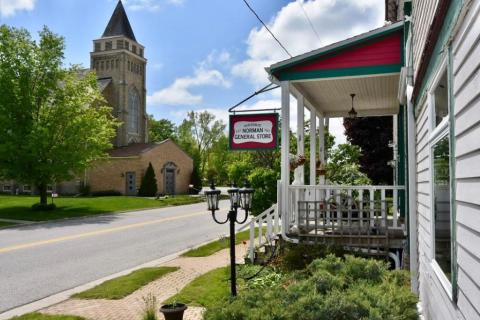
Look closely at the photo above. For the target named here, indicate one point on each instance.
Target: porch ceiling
(376, 95)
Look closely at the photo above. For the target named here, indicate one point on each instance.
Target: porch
(367, 218)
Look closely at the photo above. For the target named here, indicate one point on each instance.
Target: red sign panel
(254, 131)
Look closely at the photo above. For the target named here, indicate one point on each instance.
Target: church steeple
(119, 24)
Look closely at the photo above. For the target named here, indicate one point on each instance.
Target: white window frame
(8, 188)
(438, 132)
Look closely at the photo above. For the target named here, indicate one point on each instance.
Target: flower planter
(173, 311)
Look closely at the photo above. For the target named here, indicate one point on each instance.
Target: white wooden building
(424, 71)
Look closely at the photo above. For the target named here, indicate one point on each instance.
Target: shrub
(348, 288)
(85, 190)
(299, 256)
(106, 193)
(148, 187)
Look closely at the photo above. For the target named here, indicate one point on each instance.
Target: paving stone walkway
(130, 307)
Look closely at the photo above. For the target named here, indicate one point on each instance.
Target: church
(120, 64)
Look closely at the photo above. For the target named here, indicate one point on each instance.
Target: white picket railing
(337, 206)
(267, 222)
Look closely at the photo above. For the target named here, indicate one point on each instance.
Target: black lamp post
(238, 198)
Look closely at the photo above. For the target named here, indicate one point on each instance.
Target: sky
(203, 54)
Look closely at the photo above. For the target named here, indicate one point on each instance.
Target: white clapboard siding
(466, 88)
(422, 17)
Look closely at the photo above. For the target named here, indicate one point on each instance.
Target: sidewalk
(130, 307)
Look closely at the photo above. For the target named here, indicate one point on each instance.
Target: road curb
(65, 295)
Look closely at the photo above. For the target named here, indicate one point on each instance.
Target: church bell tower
(119, 62)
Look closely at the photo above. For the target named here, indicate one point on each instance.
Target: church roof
(119, 24)
(136, 149)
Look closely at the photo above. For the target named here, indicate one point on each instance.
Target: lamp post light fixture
(352, 114)
(238, 198)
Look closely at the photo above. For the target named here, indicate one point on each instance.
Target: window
(97, 46)
(441, 205)
(107, 64)
(128, 65)
(7, 188)
(440, 178)
(133, 110)
(116, 63)
(27, 188)
(141, 52)
(119, 44)
(440, 96)
(49, 188)
(134, 49)
(101, 65)
(127, 45)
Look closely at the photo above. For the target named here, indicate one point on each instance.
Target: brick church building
(119, 62)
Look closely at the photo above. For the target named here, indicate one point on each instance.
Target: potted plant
(173, 311)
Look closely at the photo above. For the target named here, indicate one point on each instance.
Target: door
(170, 180)
(131, 184)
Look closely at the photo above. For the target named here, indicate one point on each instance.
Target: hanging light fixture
(352, 114)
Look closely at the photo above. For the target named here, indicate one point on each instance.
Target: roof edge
(394, 27)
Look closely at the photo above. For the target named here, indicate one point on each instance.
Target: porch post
(299, 172)
(285, 163)
(313, 145)
(321, 151)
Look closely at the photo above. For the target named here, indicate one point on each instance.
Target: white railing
(268, 225)
(335, 208)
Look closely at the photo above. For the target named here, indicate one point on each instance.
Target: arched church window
(133, 110)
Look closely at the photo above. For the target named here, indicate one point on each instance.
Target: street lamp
(238, 198)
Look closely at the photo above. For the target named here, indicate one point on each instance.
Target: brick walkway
(130, 307)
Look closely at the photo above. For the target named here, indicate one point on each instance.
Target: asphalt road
(39, 260)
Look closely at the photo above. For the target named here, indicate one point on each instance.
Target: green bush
(348, 288)
(148, 187)
(299, 256)
(106, 193)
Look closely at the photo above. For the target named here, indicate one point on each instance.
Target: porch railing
(342, 211)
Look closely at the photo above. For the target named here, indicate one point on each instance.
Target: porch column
(285, 163)
(321, 149)
(313, 145)
(300, 172)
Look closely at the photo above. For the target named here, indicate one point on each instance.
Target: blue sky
(202, 54)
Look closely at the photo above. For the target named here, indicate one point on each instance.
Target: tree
(343, 166)
(148, 186)
(53, 123)
(372, 135)
(199, 131)
(160, 130)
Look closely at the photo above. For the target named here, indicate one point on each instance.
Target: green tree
(53, 122)
(197, 133)
(160, 130)
(148, 186)
(343, 166)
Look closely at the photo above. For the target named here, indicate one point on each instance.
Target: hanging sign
(254, 131)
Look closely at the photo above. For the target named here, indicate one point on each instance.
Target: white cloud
(334, 20)
(176, 2)
(178, 93)
(10, 7)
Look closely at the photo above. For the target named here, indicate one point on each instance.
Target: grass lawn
(6, 224)
(205, 290)
(212, 247)
(19, 207)
(41, 316)
(121, 287)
